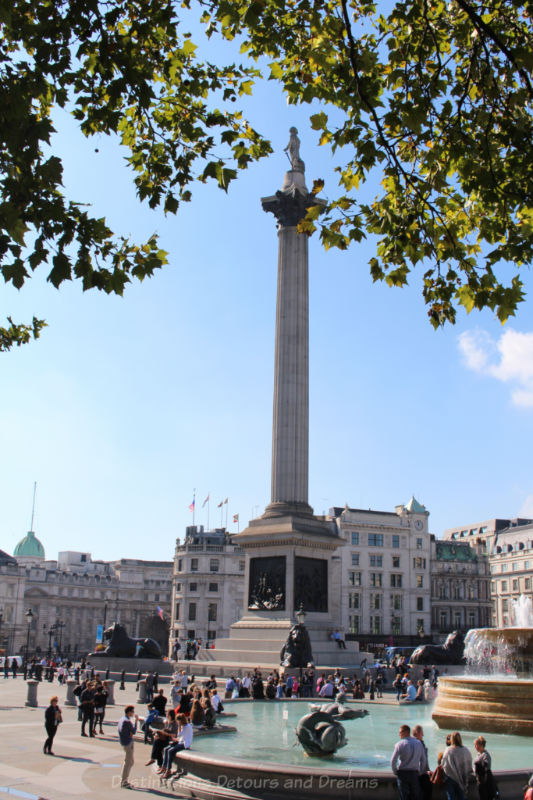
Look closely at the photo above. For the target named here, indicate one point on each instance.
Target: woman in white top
(457, 766)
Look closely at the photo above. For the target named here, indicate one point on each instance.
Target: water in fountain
(503, 650)
(523, 612)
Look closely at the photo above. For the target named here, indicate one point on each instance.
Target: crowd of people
(171, 721)
(455, 768)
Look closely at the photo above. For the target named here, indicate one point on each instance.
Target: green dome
(29, 546)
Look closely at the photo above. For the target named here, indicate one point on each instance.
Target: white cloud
(509, 359)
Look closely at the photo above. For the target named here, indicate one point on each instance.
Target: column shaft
(290, 431)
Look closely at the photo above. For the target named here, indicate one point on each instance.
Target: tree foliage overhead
(121, 67)
(437, 97)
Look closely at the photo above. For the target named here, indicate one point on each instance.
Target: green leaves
(124, 67)
(431, 102)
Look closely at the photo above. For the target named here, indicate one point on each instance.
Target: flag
(160, 612)
(226, 500)
(235, 518)
(220, 504)
(205, 501)
(191, 507)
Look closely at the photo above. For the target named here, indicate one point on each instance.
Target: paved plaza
(82, 767)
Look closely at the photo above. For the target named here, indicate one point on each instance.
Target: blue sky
(125, 405)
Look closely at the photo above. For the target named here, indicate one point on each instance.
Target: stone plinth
(110, 687)
(70, 699)
(31, 699)
(130, 665)
(483, 705)
(142, 691)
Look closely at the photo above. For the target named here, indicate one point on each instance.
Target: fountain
(499, 696)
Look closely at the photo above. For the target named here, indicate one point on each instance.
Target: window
(213, 564)
(193, 586)
(396, 626)
(177, 610)
(156, 597)
(420, 626)
(180, 565)
(376, 561)
(376, 579)
(192, 611)
(212, 612)
(419, 563)
(472, 619)
(515, 585)
(178, 587)
(526, 564)
(396, 581)
(419, 581)
(443, 620)
(396, 562)
(515, 566)
(396, 602)
(457, 616)
(355, 538)
(241, 566)
(419, 544)
(504, 586)
(395, 540)
(213, 587)
(505, 605)
(211, 635)
(194, 565)
(355, 559)
(354, 578)
(471, 592)
(376, 601)
(419, 603)
(375, 540)
(191, 633)
(353, 600)
(375, 624)
(528, 583)
(504, 567)
(353, 624)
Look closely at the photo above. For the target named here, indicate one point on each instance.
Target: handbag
(59, 717)
(437, 777)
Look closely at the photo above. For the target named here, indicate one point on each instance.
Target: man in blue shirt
(126, 731)
(407, 763)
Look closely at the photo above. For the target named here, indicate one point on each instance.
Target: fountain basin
(479, 704)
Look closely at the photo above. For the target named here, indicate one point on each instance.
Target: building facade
(207, 585)
(508, 544)
(460, 586)
(69, 597)
(385, 587)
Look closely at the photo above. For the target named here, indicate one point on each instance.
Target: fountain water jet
(501, 702)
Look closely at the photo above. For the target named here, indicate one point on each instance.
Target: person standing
(52, 718)
(457, 766)
(424, 776)
(487, 786)
(407, 762)
(87, 708)
(126, 731)
(149, 682)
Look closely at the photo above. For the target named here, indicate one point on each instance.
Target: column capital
(290, 207)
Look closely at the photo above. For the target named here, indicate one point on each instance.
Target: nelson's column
(290, 553)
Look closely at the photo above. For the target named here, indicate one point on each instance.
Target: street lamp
(301, 615)
(60, 624)
(29, 618)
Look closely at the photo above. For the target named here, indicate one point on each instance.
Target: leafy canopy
(435, 96)
(121, 67)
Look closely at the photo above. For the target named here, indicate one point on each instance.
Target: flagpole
(208, 501)
(193, 504)
(226, 501)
